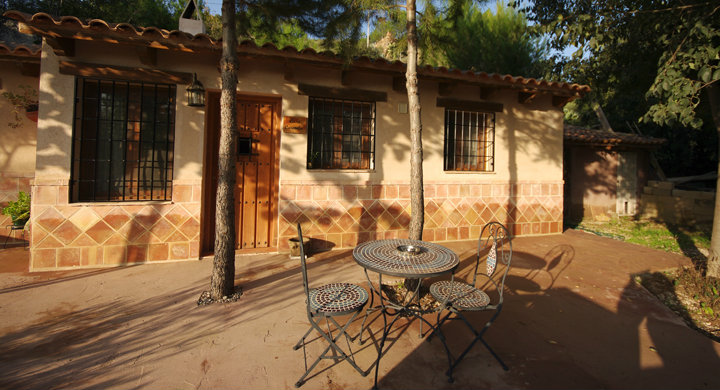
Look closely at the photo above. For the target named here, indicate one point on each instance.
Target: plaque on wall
(295, 124)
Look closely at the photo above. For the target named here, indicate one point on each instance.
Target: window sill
(470, 172)
(121, 203)
(342, 170)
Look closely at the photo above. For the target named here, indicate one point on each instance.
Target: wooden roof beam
(561, 101)
(63, 47)
(147, 55)
(525, 97)
(485, 92)
(446, 89)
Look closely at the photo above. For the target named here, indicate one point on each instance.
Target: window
(341, 134)
(123, 137)
(469, 140)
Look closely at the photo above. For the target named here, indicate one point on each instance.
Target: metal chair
(458, 296)
(328, 302)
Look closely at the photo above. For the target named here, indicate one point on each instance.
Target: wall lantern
(196, 93)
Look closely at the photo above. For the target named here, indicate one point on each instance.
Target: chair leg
(301, 342)
(332, 345)
(478, 337)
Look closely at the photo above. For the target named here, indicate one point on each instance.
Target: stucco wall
(17, 148)
(524, 191)
(68, 235)
(593, 183)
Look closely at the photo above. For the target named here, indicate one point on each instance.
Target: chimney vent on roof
(189, 23)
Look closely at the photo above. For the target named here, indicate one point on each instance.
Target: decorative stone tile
(158, 252)
(179, 251)
(49, 220)
(182, 193)
(43, 259)
(319, 193)
(114, 255)
(364, 192)
(116, 239)
(137, 253)
(66, 232)
(194, 249)
(350, 193)
(177, 215)
(84, 218)
(304, 193)
(162, 229)
(176, 236)
(49, 242)
(131, 231)
(100, 232)
(83, 240)
(68, 257)
(45, 195)
(287, 192)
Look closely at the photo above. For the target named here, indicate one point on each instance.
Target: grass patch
(693, 242)
(684, 290)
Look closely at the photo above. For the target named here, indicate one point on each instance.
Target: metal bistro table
(410, 259)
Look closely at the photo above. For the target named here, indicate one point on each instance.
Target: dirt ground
(574, 317)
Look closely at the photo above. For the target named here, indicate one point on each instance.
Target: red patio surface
(573, 319)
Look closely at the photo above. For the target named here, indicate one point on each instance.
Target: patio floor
(573, 318)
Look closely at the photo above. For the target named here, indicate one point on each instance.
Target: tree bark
(713, 263)
(417, 202)
(223, 276)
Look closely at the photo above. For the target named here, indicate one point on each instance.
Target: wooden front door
(257, 172)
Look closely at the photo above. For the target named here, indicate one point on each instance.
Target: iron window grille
(123, 141)
(341, 134)
(469, 141)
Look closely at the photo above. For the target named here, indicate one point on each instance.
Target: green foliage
(685, 72)
(669, 50)
(647, 62)
(499, 42)
(433, 25)
(156, 13)
(21, 101)
(18, 210)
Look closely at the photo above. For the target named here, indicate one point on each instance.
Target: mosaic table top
(406, 258)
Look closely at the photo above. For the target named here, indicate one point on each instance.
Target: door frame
(210, 167)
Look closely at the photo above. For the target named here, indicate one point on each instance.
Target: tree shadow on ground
(553, 336)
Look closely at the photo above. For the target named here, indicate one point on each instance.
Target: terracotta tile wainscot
(68, 235)
(340, 216)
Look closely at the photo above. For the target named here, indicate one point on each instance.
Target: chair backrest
(495, 238)
(303, 265)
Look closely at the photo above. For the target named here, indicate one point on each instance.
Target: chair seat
(461, 295)
(337, 298)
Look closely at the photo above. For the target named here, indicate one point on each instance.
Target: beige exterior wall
(17, 149)
(337, 208)
(69, 235)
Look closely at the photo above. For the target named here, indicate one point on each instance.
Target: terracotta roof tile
(45, 24)
(20, 51)
(579, 135)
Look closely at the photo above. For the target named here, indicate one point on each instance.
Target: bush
(18, 210)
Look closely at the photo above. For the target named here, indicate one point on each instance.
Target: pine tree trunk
(417, 202)
(713, 264)
(223, 276)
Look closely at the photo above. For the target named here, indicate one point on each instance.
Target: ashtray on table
(411, 250)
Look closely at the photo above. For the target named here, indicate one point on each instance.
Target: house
(19, 70)
(126, 168)
(605, 172)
